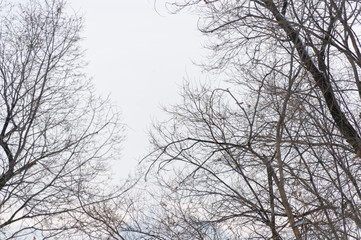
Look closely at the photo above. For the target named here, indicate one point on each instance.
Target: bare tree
(56, 135)
(277, 155)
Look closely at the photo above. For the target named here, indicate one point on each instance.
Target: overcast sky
(140, 57)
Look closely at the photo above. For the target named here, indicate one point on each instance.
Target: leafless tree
(56, 135)
(277, 154)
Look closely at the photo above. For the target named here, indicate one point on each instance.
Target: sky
(140, 55)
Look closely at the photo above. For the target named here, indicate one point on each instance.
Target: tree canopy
(276, 154)
(56, 135)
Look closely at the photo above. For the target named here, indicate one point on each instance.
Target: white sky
(141, 59)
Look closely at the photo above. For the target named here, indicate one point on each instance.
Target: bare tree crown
(277, 155)
(56, 134)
